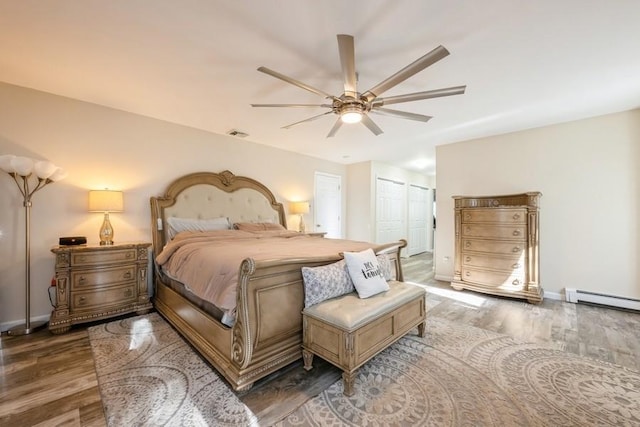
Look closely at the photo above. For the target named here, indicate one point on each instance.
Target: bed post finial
(227, 177)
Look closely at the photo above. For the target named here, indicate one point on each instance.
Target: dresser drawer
(494, 231)
(512, 265)
(90, 279)
(99, 299)
(492, 246)
(504, 280)
(502, 216)
(92, 258)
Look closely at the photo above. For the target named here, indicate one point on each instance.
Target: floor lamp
(22, 169)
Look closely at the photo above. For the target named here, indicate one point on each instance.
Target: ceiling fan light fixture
(351, 114)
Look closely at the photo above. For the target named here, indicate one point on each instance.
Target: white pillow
(177, 225)
(365, 271)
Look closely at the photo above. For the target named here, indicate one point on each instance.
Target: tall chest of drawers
(98, 282)
(497, 245)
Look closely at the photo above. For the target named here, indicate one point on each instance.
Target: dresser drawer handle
(128, 293)
(516, 232)
(129, 255)
(82, 300)
(467, 244)
(467, 229)
(468, 259)
(516, 249)
(516, 265)
(82, 280)
(82, 259)
(127, 275)
(516, 282)
(467, 274)
(467, 217)
(516, 216)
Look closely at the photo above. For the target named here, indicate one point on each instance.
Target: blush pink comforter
(208, 262)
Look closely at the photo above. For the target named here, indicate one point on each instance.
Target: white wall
(589, 174)
(102, 147)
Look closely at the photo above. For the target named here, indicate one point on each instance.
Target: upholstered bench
(347, 331)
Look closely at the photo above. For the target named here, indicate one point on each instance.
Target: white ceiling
(193, 62)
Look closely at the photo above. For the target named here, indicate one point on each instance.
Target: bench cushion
(349, 312)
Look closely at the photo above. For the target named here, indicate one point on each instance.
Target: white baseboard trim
(8, 325)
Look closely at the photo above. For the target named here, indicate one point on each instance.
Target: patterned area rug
(456, 375)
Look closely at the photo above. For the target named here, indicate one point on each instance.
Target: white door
(328, 204)
(419, 216)
(390, 211)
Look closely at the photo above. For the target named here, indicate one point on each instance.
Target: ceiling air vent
(237, 133)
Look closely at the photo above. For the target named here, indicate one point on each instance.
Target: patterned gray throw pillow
(386, 267)
(325, 282)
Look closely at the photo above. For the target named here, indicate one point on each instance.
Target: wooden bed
(267, 333)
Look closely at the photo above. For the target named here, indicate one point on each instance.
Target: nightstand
(99, 282)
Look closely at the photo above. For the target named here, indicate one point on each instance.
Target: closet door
(419, 219)
(390, 210)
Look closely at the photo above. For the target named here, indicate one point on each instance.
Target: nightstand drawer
(91, 258)
(84, 280)
(103, 298)
(501, 216)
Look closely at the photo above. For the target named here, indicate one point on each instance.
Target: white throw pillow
(177, 225)
(365, 271)
(325, 282)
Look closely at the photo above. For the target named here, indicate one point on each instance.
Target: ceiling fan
(353, 106)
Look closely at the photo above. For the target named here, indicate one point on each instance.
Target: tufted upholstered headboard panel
(206, 195)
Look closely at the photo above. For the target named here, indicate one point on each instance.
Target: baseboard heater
(576, 295)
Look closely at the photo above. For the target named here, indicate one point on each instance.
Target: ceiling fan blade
(307, 120)
(402, 114)
(335, 128)
(293, 105)
(457, 90)
(348, 62)
(415, 67)
(372, 126)
(295, 82)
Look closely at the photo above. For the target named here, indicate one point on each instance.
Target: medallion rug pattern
(456, 375)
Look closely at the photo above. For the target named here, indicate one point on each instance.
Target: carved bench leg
(307, 356)
(422, 329)
(348, 379)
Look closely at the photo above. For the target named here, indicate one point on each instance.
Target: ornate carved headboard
(205, 195)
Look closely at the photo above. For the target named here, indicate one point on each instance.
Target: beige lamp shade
(106, 201)
(299, 208)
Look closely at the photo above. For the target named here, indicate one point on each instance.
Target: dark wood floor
(50, 379)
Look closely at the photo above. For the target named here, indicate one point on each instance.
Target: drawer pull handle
(467, 274)
(467, 217)
(82, 300)
(516, 282)
(516, 249)
(516, 265)
(82, 259)
(129, 255)
(467, 245)
(127, 275)
(516, 216)
(467, 229)
(468, 259)
(127, 293)
(516, 232)
(82, 280)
